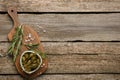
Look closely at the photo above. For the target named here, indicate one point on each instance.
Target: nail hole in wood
(12, 11)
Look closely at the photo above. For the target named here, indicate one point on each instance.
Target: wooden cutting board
(26, 30)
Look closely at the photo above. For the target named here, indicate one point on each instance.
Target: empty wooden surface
(68, 27)
(81, 37)
(62, 5)
(66, 76)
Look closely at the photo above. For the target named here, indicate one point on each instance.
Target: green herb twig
(16, 42)
(32, 46)
(35, 48)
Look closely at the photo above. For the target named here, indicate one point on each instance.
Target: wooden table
(81, 37)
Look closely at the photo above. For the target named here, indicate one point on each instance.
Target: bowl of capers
(30, 61)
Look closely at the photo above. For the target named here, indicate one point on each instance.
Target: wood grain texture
(68, 60)
(62, 5)
(75, 48)
(67, 77)
(84, 58)
(68, 27)
(72, 64)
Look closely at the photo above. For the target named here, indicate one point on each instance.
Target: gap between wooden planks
(62, 5)
(68, 27)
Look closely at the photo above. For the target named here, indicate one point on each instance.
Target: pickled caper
(31, 54)
(26, 56)
(30, 61)
(38, 60)
(28, 69)
(23, 58)
(33, 58)
(34, 66)
(35, 61)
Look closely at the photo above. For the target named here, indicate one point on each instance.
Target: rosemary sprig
(35, 48)
(43, 55)
(32, 46)
(16, 42)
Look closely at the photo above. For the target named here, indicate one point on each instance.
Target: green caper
(26, 56)
(27, 69)
(31, 54)
(38, 61)
(33, 58)
(34, 66)
(23, 58)
(29, 62)
(25, 65)
(35, 61)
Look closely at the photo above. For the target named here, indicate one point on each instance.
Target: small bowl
(23, 66)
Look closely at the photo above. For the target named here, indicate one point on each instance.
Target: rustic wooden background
(82, 37)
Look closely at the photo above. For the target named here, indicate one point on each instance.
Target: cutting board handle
(12, 11)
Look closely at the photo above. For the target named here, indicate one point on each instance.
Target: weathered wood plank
(75, 48)
(82, 48)
(72, 64)
(62, 5)
(68, 27)
(67, 77)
